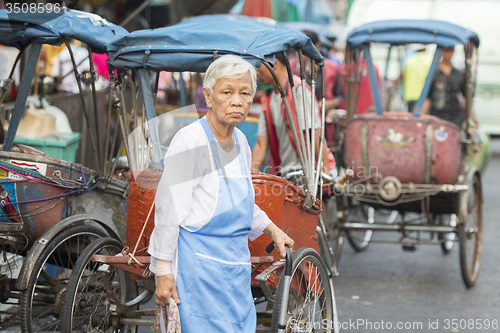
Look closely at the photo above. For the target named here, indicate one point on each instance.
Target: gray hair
(229, 66)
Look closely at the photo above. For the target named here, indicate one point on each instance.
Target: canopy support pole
(24, 90)
(149, 107)
(377, 100)
(428, 82)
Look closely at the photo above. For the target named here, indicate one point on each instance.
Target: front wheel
(41, 303)
(97, 292)
(310, 306)
(470, 234)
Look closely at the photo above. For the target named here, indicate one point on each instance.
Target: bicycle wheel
(97, 292)
(41, 302)
(311, 301)
(470, 235)
(331, 237)
(360, 239)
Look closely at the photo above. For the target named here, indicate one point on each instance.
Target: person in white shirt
(62, 67)
(205, 211)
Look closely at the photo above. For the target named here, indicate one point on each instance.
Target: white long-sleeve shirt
(187, 192)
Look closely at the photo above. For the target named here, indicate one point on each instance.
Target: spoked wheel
(447, 239)
(310, 306)
(470, 234)
(42, 301)
(331, 247)
(360, 239)
(97, 292)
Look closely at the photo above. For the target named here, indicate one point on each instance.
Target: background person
(205, 211)
(416, 68)
(446, 97)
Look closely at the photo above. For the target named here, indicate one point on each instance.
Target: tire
(447, 239)
(309, 306)
(360, 239)
(87, 302)
(470, 235)
(41, 302)
(335, 236)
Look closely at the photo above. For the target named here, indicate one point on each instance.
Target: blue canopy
(21, 30)
(397, 32)
(201, 38)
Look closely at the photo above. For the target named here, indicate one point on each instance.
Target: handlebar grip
(288, 264)
(270, 248)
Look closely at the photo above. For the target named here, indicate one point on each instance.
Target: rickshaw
(51, 208)
(406, 163)
(111, 280)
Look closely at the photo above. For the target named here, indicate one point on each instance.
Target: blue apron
(213, 266)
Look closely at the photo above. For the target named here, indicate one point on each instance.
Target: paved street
(385, 287)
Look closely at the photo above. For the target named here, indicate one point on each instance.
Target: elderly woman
(206, 212)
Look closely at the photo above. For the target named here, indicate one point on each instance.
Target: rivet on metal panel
(43, 241)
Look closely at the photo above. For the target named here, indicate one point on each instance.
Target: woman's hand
(166, 289)
(280, 238)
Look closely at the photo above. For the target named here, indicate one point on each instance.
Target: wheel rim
(473, 234)
(91, 303)
(43, 301)
(307, 304)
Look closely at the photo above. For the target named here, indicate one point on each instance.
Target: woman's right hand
(166, 289)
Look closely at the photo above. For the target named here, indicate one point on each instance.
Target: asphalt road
(386, 289)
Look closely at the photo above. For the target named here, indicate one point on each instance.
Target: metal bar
(96, 111)
(307, 152)
(11, 227)
(262, 259)
(93, 142)
(119, 259)
(321, 135)
(149, 107)
(294, 92)
(398, 227)
(428, 81)
(313, 113)
(22, 95)
(286, 284)
(289, 116)
(377, 100)
(138, 322)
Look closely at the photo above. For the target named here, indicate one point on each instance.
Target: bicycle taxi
(411, 163)
(110, 280)
(50, 208)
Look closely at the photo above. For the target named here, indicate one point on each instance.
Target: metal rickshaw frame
(431, 198)
(191, 46)
(28, 207)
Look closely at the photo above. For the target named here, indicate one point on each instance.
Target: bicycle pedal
(409, 246)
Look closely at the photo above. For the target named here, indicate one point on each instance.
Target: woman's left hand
(280, 238)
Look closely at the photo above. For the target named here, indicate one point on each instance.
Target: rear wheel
(470, 234)
(97, 292)
(41, 303)
(310, 306)
(360, 239)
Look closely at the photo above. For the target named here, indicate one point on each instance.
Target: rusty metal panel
(425, 150)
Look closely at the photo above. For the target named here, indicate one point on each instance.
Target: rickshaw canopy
(21, 30)
(200, 39)
(399, 32)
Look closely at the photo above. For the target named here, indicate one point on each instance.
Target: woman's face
(230, 100)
